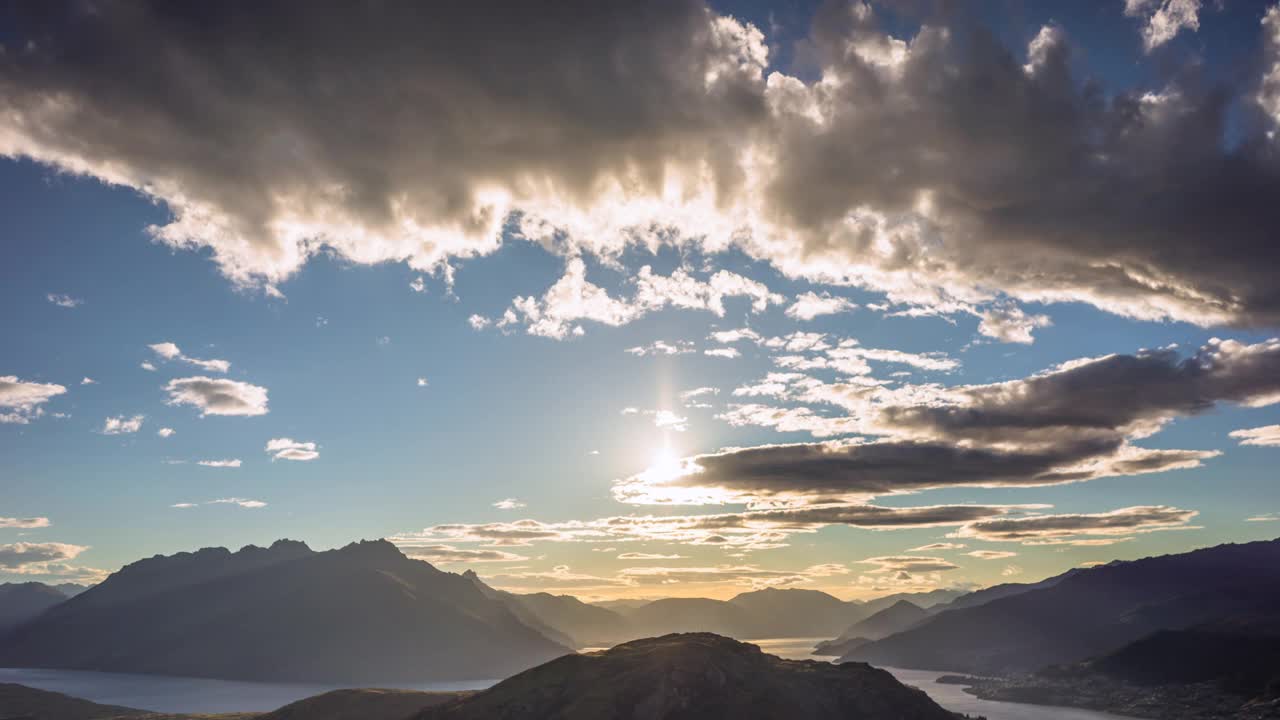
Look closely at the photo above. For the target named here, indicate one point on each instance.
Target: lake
(200, 695)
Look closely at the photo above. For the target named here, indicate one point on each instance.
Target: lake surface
(953, 697)
(200, 695)
(187, 695)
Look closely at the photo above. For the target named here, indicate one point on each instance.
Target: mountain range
(1088, 613)
(361, 613)
(20, 602)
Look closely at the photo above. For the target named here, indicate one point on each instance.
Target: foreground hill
(20, 701)
(362, 614)
(370, 704)
(692, 677)
(1089, 613)
(20, 602)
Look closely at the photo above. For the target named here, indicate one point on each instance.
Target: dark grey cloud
(1055, 529)
(1076, 422)
(942, 168)
(17, 556)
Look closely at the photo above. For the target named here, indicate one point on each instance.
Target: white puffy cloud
(88, 381)
(21, 401)
(121, 425)
(233, 463)
(289, 449)
(65, 301)
(722, 352)
(810, 305)
(509, 504)
(170, 351)
(1011, 324)
(218, 396)
(573, 298)
(1268, 435)
(662, 347)
(418, 285)
(24, 523)
(991, 554)
(239, 502)
(165, 432)
(1164, 19)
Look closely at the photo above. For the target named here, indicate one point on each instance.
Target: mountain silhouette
(692, 676)
(20, 602)
(364, 613)
(1089, 613)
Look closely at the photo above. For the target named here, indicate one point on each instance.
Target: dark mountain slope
(20, 701)
(563, 618)
(693, 677)
(1090, 613)
(20, 602)
(995, 592)
(793, 612)
(893, 619)
(361, 614)
(675, 615)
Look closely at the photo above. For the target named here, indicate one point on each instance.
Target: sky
(641, 299)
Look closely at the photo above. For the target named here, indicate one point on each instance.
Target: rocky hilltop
(692, 676)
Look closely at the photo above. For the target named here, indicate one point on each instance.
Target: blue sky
(340, 340)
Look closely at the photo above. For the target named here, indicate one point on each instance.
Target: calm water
(185, 695)
(194, 695)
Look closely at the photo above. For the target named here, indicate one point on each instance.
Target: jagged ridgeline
(362, 613)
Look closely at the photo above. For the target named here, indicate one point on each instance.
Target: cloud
(1164, 18)
(19, 556)
(147, 366)
(418, 285)
(991, 554)
(165, 432)
(722, 352)
(911, 564)
(121, 425)
(880, 169)
(169, 351)
(1011, 570)
(662, 347)
(88, 381)
(810, 305)
(648, 556)
(738, 531)
(240, 502)
(1064, 529)
(1010, 324)
(21, 401)
(478, 322)
(65, 301)
(662, 419)
(217, 396)
(234, 463)
(1268, 435)
(573, 298)
(422, 382)
(1265, 517)
(935, 547)
(24, 523)
(1072, 423)
(727, 337)
(183, 505)
(449, 554)
(509, 504)
(288, 449)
